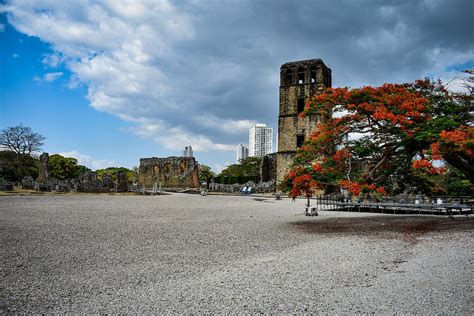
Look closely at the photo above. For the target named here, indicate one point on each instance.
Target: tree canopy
(205, 173)
(23, 142)
(131, 174)
(10, 167)
(64, 168)
(248, 167)
(392, 138)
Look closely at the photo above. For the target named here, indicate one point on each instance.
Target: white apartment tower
(260, 140)
(242, 152)
(188, 151)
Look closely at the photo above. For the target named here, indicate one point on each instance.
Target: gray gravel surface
(224, 254)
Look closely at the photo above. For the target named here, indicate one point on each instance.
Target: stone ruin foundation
(122, 182)
(87, 182)
(43, 174)
(28, 183)
(261, 187)
(170, 172)
(268, 168)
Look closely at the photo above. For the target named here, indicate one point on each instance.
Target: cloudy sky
(109, 82)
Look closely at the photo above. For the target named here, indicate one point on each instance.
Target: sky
(110, 82)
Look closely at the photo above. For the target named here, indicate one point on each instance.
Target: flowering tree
(384, 139)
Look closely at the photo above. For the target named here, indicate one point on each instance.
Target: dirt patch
(385, 226)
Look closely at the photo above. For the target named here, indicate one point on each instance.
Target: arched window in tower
(289, 77)
(300, 105)
(299, 140)
(301, 76)
(313, 75)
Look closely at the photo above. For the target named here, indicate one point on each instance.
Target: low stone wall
(28, 183)
(88, 182)
(6, 186)
(261, 187)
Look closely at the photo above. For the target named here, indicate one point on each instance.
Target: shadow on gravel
(384, 226)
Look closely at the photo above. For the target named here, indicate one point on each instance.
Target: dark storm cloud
(224, 67)
(364, 42)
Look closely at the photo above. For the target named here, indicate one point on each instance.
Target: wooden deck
(322, 204)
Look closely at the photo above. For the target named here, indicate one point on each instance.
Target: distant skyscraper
(188, 151)
(260, 140)
(242, 152)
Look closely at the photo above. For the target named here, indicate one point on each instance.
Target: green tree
(9, 168)
(205, 174)
(455, 183)
(234, 170)
(249, 167)
(402, 130)
(64, 168)
(24, 143)
(114, 170)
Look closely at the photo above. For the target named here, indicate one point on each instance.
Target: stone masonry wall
(172, 172)
(268, 168)
(299, 80)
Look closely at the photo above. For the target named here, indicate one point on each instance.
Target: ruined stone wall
(43, 172)
(268, 168)
(87, 182)
(299, 81)
(172, 172)
(284, 160)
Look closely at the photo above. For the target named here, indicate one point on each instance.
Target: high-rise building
(242, 152)
(299, 81)
(260, 140)
(188, 151)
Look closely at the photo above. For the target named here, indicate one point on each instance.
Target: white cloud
(217, 167)
(176, 138)
(88, 161)
(115, 48)
(48, 77)
(51, 76)
(15, 55)
(227, 126)
(53, 60)
(191, 72)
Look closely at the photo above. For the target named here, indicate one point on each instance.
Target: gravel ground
(226, 254)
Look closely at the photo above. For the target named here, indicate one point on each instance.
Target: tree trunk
(464, 166)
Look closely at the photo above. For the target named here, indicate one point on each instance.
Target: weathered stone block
(61, 188)
(43, 187)
(6, 186)
(122, 182)
(268, 168)
(28, 183)
(43, 174)
(171, 172)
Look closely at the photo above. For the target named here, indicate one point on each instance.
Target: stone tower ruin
(299, 81)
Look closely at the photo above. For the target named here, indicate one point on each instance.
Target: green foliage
(451, 115)
(23, 142)
(64, 167)
(131, 174)
(249, 167)
(232, 180)
(205, 173)
(455, 183)
(10, 166)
